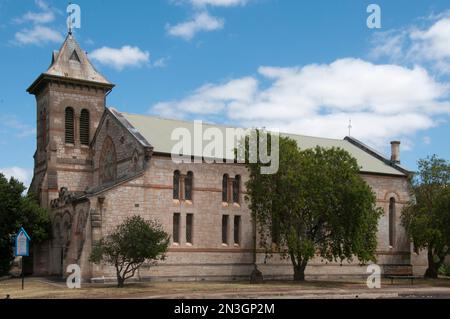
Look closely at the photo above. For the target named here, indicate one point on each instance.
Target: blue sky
(300, 66)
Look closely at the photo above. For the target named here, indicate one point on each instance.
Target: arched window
(225, 188)
(392, 221)
(69, 126)
(189, 228)
(84, 127)
(225, 219)
(188, 185)
(108, 161)
(237, 230)
(236, 188)
(176, 184)
(176, 228)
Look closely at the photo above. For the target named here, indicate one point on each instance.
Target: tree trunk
(433, 267)
(299, 272)
(120, 282)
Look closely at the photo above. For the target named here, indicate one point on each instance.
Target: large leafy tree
(427, 217)
(132, 243)
(316, 203)
(18, 210)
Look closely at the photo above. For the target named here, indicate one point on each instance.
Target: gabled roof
(157, 132)
(376, 154)
(71, 62)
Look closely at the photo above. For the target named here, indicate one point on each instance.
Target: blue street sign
(22, 247)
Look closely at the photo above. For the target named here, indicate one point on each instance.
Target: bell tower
(70, 101)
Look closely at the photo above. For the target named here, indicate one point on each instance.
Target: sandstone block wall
(207, 258)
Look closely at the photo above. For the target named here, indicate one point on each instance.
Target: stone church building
(94, 166)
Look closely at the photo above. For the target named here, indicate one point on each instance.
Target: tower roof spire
(71, 62)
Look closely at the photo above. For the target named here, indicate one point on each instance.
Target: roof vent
(74, 57)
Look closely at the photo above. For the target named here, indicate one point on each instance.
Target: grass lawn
(44, 288)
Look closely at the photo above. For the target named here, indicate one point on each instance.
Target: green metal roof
(157, 132)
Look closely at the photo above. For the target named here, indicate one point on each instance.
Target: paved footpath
(322, 293)
(50, 288)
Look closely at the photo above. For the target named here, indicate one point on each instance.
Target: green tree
(427, 217)
(18, 210)
(316, 203)
(132, 243)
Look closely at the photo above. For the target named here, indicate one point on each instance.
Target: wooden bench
(393, 272)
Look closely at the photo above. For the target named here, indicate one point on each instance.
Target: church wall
(63, 164)
(42, 108)
(76, 180)
(386, 187)
(70, 234)
(39, 185)
(151, 196)
(77, 97)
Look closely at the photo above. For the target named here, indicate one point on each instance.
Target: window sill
(236, 245)
(176, 201)
(236, 205)
(188, 202)
(189, 244)
(225, 204)
(176, 244)
(224, 245)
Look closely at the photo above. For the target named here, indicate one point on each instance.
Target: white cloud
(126, 56)
(202, 21)
(219, 3)
(37, 17)
(42, 5)
(38, 35)
(426, 140)
(45, 16)
(20, 129)
(390, 44)
(21, 174)
(383, 101)
(210, 99)
(424, 45)
(434, 42)
(160, 63)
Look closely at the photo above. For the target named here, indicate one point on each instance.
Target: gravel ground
(44, 288)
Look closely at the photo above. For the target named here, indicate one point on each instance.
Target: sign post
(22, 249)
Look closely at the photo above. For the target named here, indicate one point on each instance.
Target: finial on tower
(69, 19)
